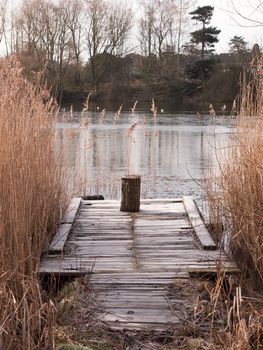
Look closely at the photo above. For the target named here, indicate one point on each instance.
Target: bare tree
(250, 16)
(43, 35)
(157, 37)
(146, 27)
(3, 14)
(107, 32)
(157, 26)
(184, 6)
(75, 24)
(27, 26)
(164, 26)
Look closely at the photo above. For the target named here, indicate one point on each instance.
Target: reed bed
(236, 195)
(32, 197)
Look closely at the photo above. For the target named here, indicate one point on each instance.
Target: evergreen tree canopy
(207, 36)
(238, 45)
(203, 14)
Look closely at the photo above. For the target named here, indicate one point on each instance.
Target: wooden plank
(161, 239)
(125, 243)
(124, 290)
(89, 232)
(169, 223)
(139, 311)
(79, 240)
(85, 260)
(161, 215)
(134, 274)
(107, 305)
(198, 225)
(131, 297)
(136, 281)
(59, 240)
(163, 234)
(154, 247)
(140, 319)
(128, 288)
(79, 269)
(161, 209)
(227, 267)
(162, 200)
(140, 327)
(71, 212)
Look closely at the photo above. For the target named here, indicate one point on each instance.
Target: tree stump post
(130, 193)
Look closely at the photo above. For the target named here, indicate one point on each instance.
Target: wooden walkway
(133, 258)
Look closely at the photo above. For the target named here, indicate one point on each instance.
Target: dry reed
(236, 201)
(130, 142)
(237, 195)
(32, 197)
(234, 321)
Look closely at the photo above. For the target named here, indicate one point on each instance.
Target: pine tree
(238, 45)
(206, 36)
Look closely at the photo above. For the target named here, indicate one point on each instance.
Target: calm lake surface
(171, 152)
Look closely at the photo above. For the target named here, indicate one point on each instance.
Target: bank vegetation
(33, 194)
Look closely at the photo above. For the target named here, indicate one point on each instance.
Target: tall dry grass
(32, 195)
(236, 198)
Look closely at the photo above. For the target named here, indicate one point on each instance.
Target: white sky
(230, 23)
(224, 20)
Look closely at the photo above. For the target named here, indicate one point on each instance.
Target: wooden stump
(130, 193)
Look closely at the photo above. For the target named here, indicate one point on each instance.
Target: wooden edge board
(198, 225)
(72, 210)
(60, 238)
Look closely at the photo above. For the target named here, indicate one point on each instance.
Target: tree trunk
(131, 190)
(203, 50)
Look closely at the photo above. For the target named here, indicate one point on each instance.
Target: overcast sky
(231, 24)
(225, 20)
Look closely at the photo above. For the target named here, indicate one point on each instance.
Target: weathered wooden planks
(131, 259)
(159, 236)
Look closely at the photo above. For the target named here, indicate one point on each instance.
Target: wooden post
(130, 193)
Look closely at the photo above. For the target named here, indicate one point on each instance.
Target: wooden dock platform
(132, 258)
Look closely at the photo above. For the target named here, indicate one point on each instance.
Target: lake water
(171, 152)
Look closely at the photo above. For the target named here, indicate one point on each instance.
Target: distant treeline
(99, 46)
